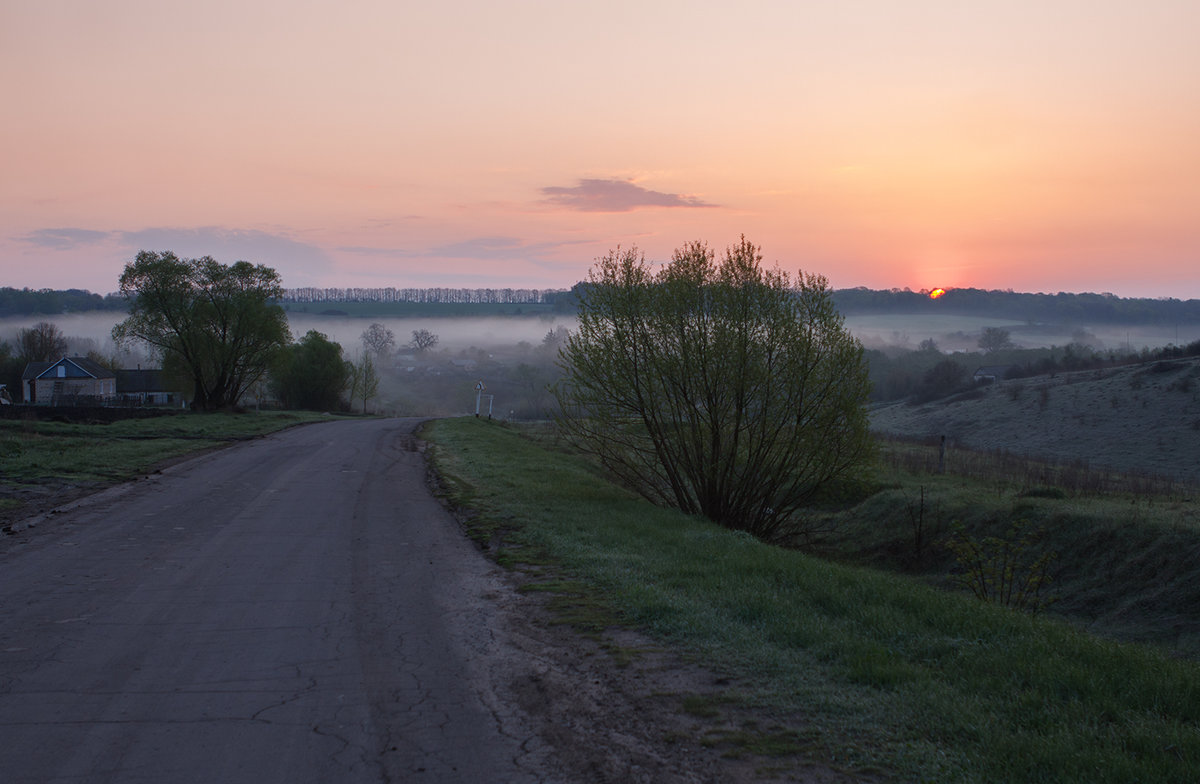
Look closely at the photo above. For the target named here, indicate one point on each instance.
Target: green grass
(868, 669)
(42, 451)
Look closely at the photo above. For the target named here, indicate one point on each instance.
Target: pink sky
(1048, 145)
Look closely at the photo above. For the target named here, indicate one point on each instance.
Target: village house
(69, 381)
(989, 374)
(144, 387)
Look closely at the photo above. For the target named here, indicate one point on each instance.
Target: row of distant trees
(49, 302)
(1048, 308)
(456, 296)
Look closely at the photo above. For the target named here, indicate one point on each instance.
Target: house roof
(77, 367)
(150, 380)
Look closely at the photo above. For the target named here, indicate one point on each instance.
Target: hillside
(1137, 418)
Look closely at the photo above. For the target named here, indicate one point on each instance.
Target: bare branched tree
(378, 340)
(423, 340)
(43, 342)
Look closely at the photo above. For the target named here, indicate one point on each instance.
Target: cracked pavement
(297, 608)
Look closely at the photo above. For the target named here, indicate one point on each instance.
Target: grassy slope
(1125, 560)
(868, 669)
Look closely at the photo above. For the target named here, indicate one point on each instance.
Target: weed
(1011, 571)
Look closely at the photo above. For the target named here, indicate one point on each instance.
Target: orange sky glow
(1033, 146)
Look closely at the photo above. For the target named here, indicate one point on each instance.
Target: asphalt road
(294, 609)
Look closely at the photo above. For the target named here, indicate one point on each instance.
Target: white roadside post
(479, 387)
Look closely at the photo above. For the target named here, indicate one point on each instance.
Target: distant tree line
(1051, 308)
(26, 302)
(1055, 308)
(457, 296)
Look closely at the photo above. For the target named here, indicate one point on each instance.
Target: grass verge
(48, 455)
(872, 670)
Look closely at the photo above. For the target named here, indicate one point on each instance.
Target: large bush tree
(311, 374)
(216, 324)
(722, 388)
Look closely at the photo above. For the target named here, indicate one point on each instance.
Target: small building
(989, 374)
(69, 381)
(143, 387)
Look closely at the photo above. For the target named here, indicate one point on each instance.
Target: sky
(1032, 145)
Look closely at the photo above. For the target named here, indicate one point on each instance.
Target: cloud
(615, 196)
(65, 238)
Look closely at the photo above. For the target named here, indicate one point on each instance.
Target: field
(1141, 419)
(863, 668)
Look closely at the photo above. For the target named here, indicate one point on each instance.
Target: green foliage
(215, 323)
(48, 302)
(311, 374)
(11, 367)
(945, 378)
(723, 389)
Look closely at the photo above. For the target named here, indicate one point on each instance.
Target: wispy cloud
(615, 196)
(65, 238)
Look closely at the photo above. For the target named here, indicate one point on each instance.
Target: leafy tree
(423, 340)
(11, 367)
(378, 339)
(311, 373)
(214, 323)
(944, 378)
(43, 342)
(994, 339)
(724, 389)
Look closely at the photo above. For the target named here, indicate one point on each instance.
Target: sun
(936, 293)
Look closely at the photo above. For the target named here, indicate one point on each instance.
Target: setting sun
(936, 293)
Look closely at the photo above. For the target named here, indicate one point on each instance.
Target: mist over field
(954, 332)
(950, 332)
(94, 330)
(454, 334)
